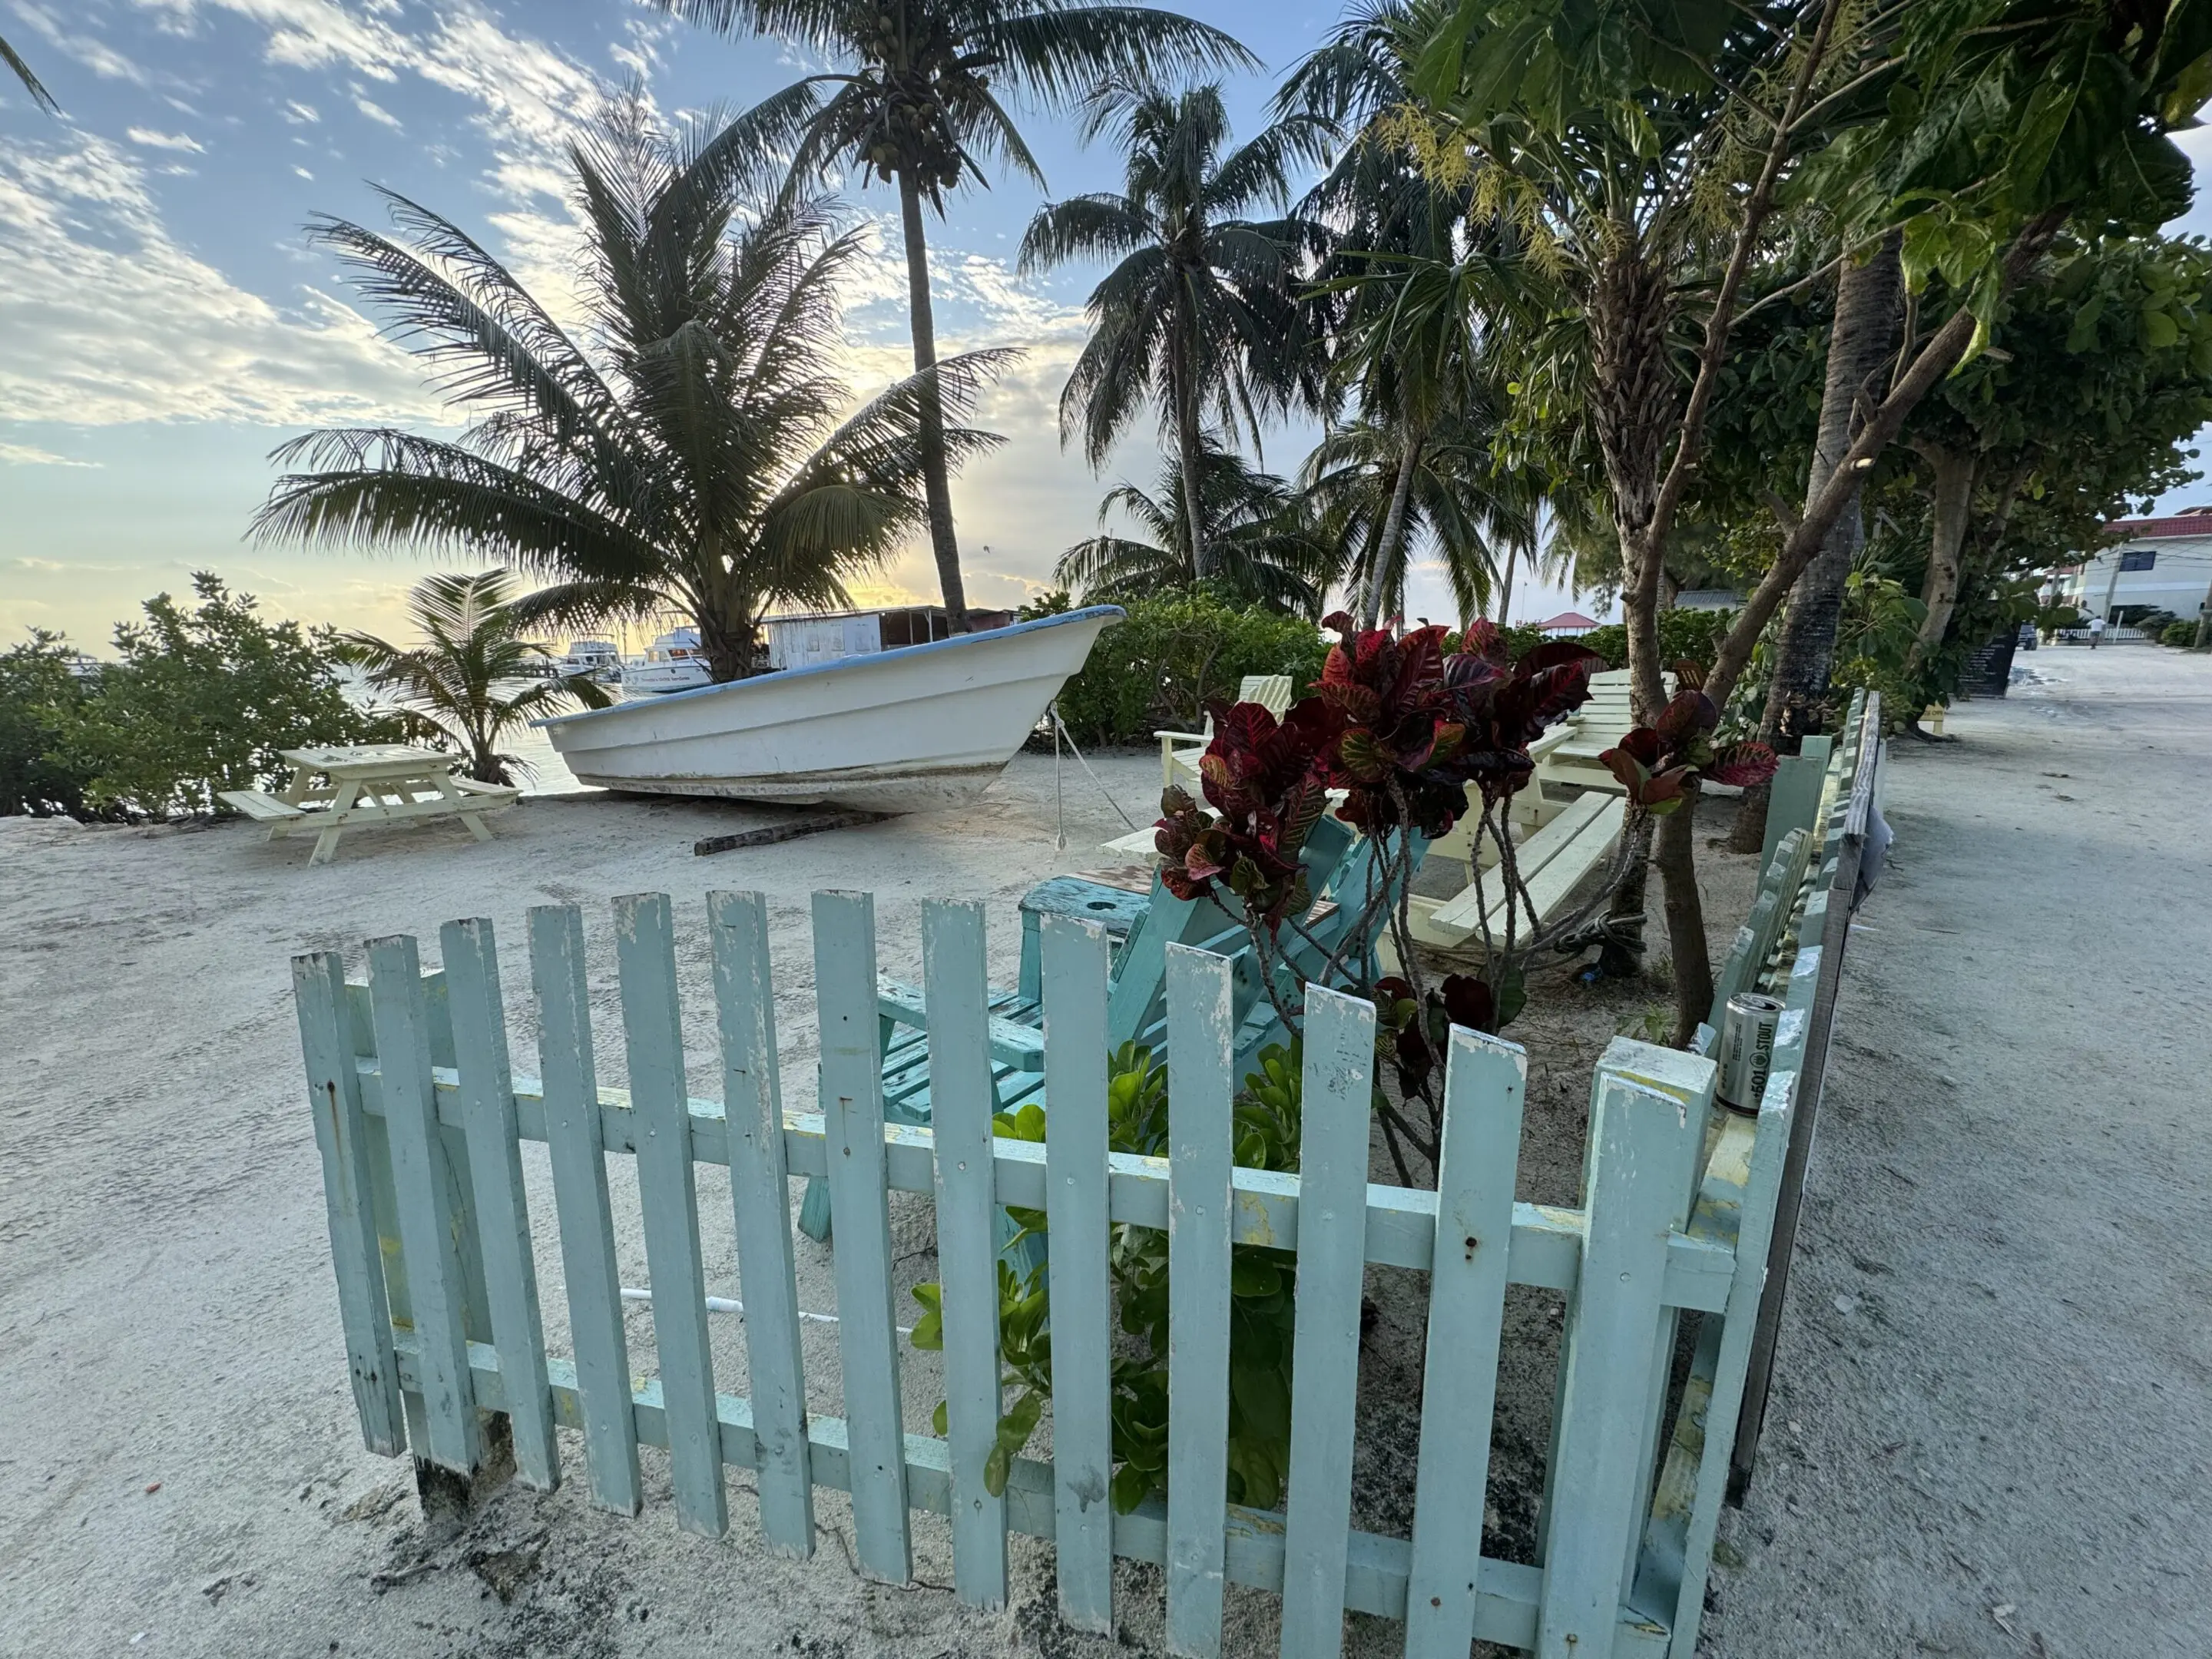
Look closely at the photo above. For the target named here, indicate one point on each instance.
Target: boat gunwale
(1108, 614)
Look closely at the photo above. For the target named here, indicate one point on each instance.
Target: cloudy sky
(163, 324)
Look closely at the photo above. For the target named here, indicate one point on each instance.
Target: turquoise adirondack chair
(1339, 867)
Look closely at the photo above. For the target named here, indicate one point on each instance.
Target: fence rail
(421, 1119)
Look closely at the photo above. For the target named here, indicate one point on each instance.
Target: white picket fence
(419, 1119)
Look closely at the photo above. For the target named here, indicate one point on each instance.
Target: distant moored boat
(673, 662)
(890, 731)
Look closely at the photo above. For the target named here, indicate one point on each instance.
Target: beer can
(1748, 1028)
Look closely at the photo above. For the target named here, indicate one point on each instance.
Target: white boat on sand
(896, 731)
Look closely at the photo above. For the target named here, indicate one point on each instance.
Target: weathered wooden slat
(1375, 1581)
(1547, 1240)
(1332, 1264)
(421, 1185)
(1200, 1038)
(1593, 1501)
(487, 1087)
(1074, 963)
(860, 1204)
(356, 1258)
(967, 1238)
(760, 1192)
(668, 1199)
(1485, 1082)
(572, 1129)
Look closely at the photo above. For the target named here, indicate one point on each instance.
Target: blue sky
(163, 324)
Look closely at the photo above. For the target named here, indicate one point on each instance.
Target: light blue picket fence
(420, 1120)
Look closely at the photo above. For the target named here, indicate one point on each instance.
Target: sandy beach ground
(1991, 1432)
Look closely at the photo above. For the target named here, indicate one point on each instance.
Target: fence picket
(1594, 1499)
(1201, 1171)
(967, 1228)
(668, 1198)
(423, 1185)
(1332, 1267)
(357, 1258)
(1485, 1081)
(760, 1192)
(479, 1019)
(1075, 957)
(576, 1149)
(860, 1206)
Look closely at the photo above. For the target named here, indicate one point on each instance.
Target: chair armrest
(1184, 736)
(1021, 1047)
(1551, 740)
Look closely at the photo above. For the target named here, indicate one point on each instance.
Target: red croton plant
(1416, 740)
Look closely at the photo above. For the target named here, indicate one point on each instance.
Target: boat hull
(902, 731)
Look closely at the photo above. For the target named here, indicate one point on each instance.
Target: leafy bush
(201, 700)
(1684, 635)
(2177, 633)
(39, 700)
(1175, 656)
(1263, 1289)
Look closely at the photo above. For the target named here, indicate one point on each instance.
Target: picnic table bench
(368, 784)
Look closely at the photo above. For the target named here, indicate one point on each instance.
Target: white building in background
(2153, 564)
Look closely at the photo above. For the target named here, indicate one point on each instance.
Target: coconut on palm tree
(1266, 543)
(918, 105)
(468, 677)
(1197, 319)
(704, 459)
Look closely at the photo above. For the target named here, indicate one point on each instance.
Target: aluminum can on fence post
(1748, 1028)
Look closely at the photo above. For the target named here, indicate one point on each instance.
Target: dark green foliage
(1175, 656)
(2177, 633)
(1263, 1284)
(1684, 636)
(40, 698)
(201, 699)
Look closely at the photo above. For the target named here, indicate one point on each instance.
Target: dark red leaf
(1743, 764)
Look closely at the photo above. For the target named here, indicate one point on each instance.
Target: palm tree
(454, 681)
(1266, 545)
(919, 107)
(1197, 315)
(39, 95)
(697, 465)
(1454, 499)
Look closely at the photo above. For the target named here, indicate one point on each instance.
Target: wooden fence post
(1632, 1193)
(961, 1102)
(1200, 1177)
(357, 1257)
(668, 1203)
(852, 1100)
(760, 1193)
(1073, 955)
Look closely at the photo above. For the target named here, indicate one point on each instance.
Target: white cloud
(146, 137)
(376, 112)
(301, 114)
(95, 54)
(30, 455)
(111, 320)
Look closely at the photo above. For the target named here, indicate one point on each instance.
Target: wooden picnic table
(369, 784)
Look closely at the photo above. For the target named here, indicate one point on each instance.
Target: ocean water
(543, 772)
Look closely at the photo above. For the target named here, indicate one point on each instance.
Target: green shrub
(40, 698)
(2177, 633)
(1173, 656)
(201, 700)
(1692, 635)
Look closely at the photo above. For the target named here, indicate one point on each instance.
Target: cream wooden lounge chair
(1180, 750)
(1554, 862)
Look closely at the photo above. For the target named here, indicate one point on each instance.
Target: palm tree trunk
(1190, 445)
(1860, 342)
(1394, 530)
(1505, 597)
(936, 478)
(1954, 497)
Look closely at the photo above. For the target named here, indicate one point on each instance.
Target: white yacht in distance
(673, 662)
(597, 658)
